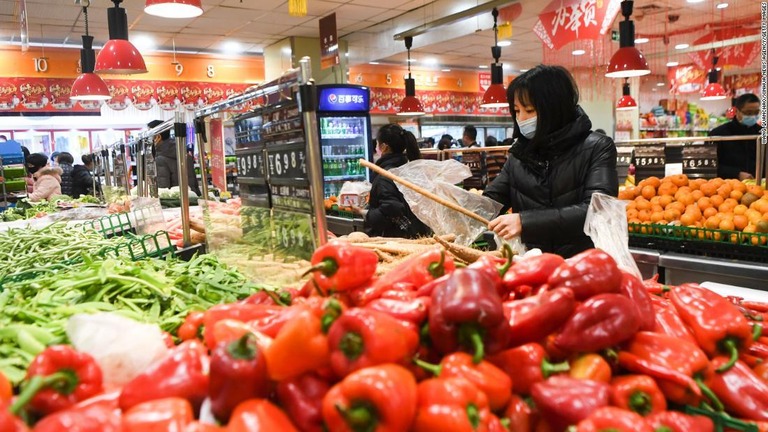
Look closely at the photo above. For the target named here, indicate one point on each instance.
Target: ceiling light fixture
(174, 8)
(627, 101)
(722, 5)
(682, 46)
(695, 1)
(410, 105)
(445, 70)
(713, 90)
(504, 43)
(232, 47)
(578, 52)
(119, 56)
(296, 8)
(673, 64)
(88, 86)
(641, 40)
(660, 84)
(483, 66)
(373, 63)
(495, 95)
(628, 61)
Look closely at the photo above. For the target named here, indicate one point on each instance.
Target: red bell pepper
(494, 268)
(283, 297)
(717, 325)
(428, 288)
(655, 288)
(259, 415)
(633, 288)
(381, 398)
(526, 365)
(58, 378)
(270, 325)
(534, 318)
(6, 389)
(600, 322)
(668, 322)
(671, 361)
(97, 414)
(675, 421)
(565, 401)
(467, 312)
(235, 311)
(491, 380)
(637, 393)
(183, 373)
(300, 347)
(340, 266)
(197, 426)
(741, 391)
(532, 272)
(451, 405)
(363, 337)
(587, 274)
(161, 415)
(414, 311)
(190, 328)
(419, 270)
(590, 366)
(302, 399)
(761, 370)
(9, 422)
(614, 420)
(238, 373)
(520, 416)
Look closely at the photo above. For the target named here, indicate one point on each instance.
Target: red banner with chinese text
(686, 79)
(738, 55)
(564, 21)
(436, 102)
(218, 163)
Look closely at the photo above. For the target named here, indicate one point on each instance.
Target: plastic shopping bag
(440, 179)
(606, 225)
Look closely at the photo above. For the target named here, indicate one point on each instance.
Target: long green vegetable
(35, 310)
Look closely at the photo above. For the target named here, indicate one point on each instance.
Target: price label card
(294, 235)
(287, 161)
(250, 164)
(292, 197)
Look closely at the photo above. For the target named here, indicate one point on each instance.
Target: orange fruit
(676, 206)
(667, 188)
(740, 209)
(679, 180)
(697, 194)
(694, 210)
(736, 194)
(644, 215)
(725, 216)
(654, 200)
(665, 200)
(657, 217)
(725, 208)
(717, 182)
(626, 194)
(727, 224)
(760, 205)
(713, 222)
(754, 216)
(632, 205)
(740, 222)
(709, 212)
(685, 197)
(695, 184)
(708, 189)
(656, 208)
(738, 186)
(688, 219)
(704, 203)
(755, 189)
(632, 214)
(716, 200)
(648, 192)
(725, 190)
(671, 215)
(650, 181)
(642, 203)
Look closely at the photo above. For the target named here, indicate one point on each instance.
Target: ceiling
(369, 26)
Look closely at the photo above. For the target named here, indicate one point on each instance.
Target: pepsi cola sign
(346, 98)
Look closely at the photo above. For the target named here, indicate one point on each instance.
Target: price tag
(698, 163)
(293, 197)
(293, 234)
(250, 164)
(287, 161)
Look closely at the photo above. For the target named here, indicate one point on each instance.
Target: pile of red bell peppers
(543, 345)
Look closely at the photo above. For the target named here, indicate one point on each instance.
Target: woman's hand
(507, 226)
(359, 211)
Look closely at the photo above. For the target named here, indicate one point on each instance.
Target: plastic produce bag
(439, 178)
(354, 193)
(122, 347)
(606, 225)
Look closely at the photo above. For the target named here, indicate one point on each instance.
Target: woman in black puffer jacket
(555, 165)
(388, 213)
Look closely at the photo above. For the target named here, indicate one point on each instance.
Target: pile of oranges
(716, 204)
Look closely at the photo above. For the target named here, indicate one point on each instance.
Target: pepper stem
(548, 368)
(729, 346)
(328, 267)
(278, 299)
(429, 367)
(64, 381)
(317, 288)
(243, 348)
(757, 331)
(332, 311)
(359, 418)
(474, 416)
(706, 391)
(352, 345)
(470, 335)
(507, 253)
(437, 269)
(663, 429)
(640, 402)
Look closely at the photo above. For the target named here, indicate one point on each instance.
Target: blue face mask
(749, 121)
(528, 127)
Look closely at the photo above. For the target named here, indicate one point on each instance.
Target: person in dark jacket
(65, 161)
(554, 167)
(166, 161)
(474, 160)
(388, 213)
(82, 179)
(738, 159)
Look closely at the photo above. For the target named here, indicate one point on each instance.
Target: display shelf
(344, 177)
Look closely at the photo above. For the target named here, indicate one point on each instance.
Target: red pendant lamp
(174, 8)
(713, 90)
(628, 61)
(88, 86)
(495, 96)
(411, 105)
(627, 101)
(119, 56)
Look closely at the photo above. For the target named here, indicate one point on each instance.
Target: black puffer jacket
(551, 188)
(388, 213)
(167, 167)
(82, 181)
(66, 179)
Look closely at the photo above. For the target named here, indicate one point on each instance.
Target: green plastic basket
(110, 225)
(140, 247)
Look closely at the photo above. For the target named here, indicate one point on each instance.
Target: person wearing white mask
(737, 159)
(555, 165)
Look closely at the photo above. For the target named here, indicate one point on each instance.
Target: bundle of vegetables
(545, 344)
(35, 310)
(28, 210)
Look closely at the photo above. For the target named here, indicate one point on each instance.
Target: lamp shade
(495, 97)
(411, 105)
(174, 8)
(713, 91)
(89, 86)
(627, 62)
(626, 102)
(120, 57)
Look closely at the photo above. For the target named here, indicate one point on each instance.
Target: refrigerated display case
(345, 131)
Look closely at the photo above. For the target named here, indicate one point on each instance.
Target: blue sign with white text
(343, 98)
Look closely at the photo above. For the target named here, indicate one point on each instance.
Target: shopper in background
(47, 178)
(166, 161)
(82, 179)
(474, 160)
(54, 158)
(446, 142)
(554, 166)
(388, 214)
(491, 141)
(65, 161)
(738, 159)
